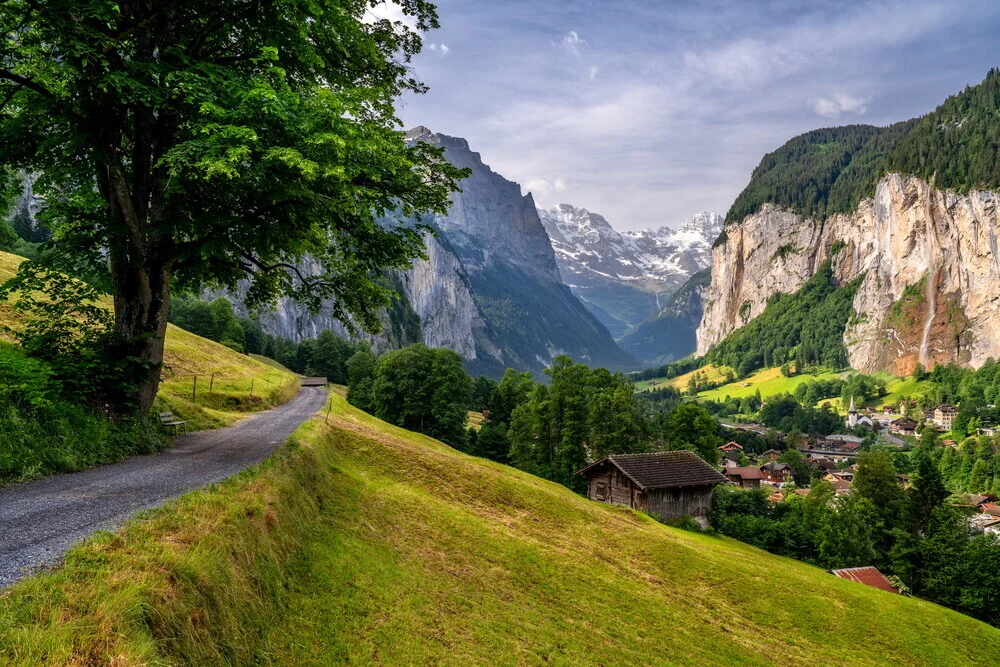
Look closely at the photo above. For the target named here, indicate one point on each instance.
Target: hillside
(186, 356)
(910, 210)
(367, 543)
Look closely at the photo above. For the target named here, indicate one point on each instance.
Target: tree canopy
(190, 142)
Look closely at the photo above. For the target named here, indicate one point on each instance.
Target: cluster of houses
(941, 416)
(986, 513)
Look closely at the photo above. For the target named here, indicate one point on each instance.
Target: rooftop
(869, 576)
(659, 470)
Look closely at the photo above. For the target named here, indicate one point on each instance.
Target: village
(677, 484)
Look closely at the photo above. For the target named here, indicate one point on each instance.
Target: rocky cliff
(490, 288)
(670, 334)
(931, 286)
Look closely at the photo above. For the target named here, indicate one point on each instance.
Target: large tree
(212, 141)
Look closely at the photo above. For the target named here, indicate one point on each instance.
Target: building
(776, 473)
(731, 446)
(944, 415)
(669, 485)
(748, 477)
(854, 419)
(869, 576)
(903, 426)
(731, 459)
(771, 455)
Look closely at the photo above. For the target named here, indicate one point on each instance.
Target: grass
(711, 373)
(769, 381)
(900, 388)
(241, 384)
(366, 543)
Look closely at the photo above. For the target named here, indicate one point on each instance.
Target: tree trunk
(142, 304)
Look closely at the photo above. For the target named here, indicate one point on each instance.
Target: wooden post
(211, 383)
(194, 390)
(251, 387)
(329, 406)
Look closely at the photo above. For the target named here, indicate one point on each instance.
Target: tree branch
(306, 282)
(26, 83)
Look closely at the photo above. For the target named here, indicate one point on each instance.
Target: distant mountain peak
(622, 275)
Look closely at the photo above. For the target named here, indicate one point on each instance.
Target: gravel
(40, 520)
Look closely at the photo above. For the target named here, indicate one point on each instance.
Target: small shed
(669, 485)
(748, 477)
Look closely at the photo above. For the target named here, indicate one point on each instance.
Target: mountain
(670, 334)
(911, 211)
(490, 287)
(622, 277)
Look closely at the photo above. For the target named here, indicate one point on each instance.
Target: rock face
(490, 288)
(670, 334)
(624, 278)
(931, 287)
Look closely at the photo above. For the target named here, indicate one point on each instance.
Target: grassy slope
(186, 355)
(769, 381)
(709, 372)
(373, 544)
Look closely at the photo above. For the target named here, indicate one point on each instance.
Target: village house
(903, 480)
(903, 426)
(731, 459)
(988, 430)
(771, 455)
(748, 477)
(841, 487)
(869, 576)
(944, 415)
(776, 473)
(669, 485)
(731, 446)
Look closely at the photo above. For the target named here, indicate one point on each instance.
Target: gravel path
(40, 520)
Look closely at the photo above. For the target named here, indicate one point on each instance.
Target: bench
(168, 419)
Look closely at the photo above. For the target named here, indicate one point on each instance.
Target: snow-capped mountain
(621, 277)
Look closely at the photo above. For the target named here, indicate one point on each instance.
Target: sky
(648, 111)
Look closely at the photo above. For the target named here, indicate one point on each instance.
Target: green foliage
(63, 323)
(181, 148)
(807, 327)
(424, 390)
(42, 433)
(786, 414)
(361, 379)
(690, 427)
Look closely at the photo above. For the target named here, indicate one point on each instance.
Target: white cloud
(390, 11)
(445, 50)
(840, 103)
(572, 42)
(541, 188)
(592, 74)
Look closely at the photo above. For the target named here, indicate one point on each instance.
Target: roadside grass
(769, 381)
(185, 356)
(267, 361)
(362, 542)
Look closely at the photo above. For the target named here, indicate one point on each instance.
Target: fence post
(194, 390)
(329, 406)
(251, 387)
(211, 383)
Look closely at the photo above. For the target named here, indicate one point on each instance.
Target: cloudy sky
(647, 111)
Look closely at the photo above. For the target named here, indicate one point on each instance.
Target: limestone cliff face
(489, 288)
(931, 287)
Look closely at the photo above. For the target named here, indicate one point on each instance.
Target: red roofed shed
(869, 576)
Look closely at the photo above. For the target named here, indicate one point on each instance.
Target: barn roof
(660, 470)
(747, 472)
(869, 576)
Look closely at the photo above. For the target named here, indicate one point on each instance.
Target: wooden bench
(169, 419)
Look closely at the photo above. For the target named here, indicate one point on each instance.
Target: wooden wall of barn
(613, 487)
(676, 502)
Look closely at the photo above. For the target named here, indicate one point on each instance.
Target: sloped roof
(659, 470)
(869, 576)
(747, 472)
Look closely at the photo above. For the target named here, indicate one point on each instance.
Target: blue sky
(647, 111)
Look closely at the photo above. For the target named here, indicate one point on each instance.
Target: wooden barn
(666, 484)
